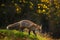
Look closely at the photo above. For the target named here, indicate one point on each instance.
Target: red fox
(21, 25)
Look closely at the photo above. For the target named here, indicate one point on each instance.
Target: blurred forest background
(12, 11)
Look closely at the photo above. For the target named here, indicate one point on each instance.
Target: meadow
(17, 35)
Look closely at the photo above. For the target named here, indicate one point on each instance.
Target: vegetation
(16, 35)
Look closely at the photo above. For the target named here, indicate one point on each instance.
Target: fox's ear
(40, 27)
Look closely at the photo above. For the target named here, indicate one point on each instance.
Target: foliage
(17, 35)
(13, 34)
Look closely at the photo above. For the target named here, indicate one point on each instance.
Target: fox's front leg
(34, 32)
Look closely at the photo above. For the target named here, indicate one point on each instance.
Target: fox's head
(39, 28)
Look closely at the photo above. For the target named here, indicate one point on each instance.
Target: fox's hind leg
(29, 32)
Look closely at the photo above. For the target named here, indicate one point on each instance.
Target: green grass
(13, 34)
(17, 35)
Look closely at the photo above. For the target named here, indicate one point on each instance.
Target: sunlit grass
(15, 35)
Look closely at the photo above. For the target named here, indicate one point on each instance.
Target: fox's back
(26, 23)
